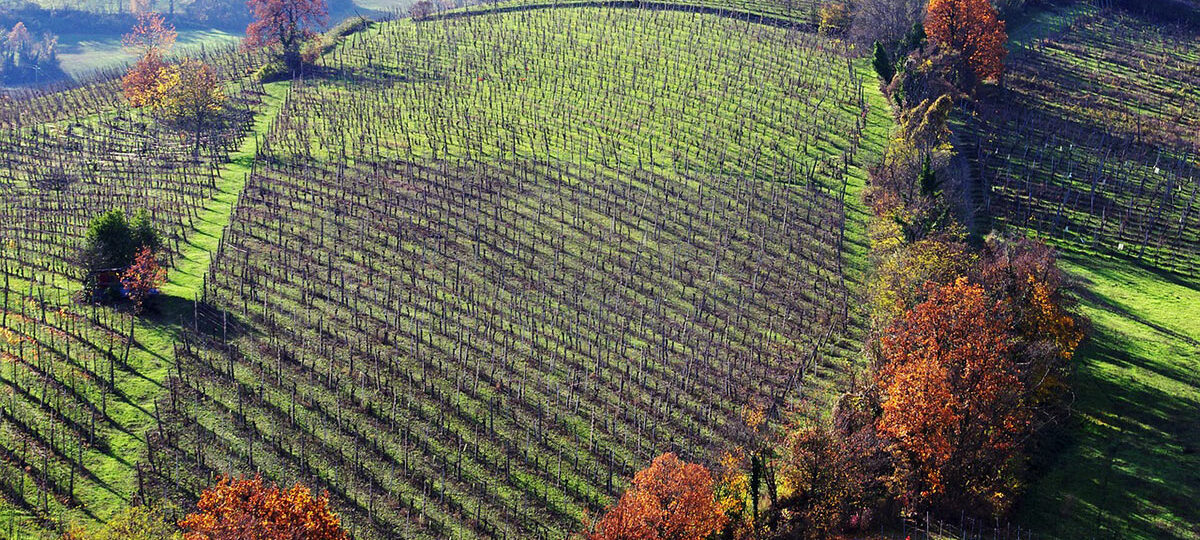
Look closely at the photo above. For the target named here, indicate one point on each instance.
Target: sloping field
(1096, 143)
(481, 271)
(1095, 149)
(80, 380)
(488, 267)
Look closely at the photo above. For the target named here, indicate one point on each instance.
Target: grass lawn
(1131, 465)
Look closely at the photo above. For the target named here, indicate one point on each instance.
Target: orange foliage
(669, 500)
(952, 398)
(249, 509)
(972, 28)
(150, 39)
(143, 277)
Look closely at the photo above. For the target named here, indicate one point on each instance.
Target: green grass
(1131, 465)
(133, 414)
(85, 53)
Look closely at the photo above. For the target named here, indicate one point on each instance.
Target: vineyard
(1095, 144)
(477, 270)
(1094, 147)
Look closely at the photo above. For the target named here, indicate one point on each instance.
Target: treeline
(27, 59)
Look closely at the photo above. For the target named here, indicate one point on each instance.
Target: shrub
(132, 523)
(250, 509)
(669, 500)
(112, 241)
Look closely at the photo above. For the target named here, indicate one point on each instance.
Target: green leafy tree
(108, 241)
(112, 241)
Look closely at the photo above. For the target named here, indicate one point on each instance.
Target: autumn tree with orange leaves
(973, 29)
(952, 407)
(151, 39)
(1024, 274)
(669, 500)
(250, 509)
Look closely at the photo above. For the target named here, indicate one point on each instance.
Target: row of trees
(970, 348)
(964, 380)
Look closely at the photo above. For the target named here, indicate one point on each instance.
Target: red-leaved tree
(952, 400)
(972, 28)
(287, 23)
(669, 500)
(142, 278)
(250, 509)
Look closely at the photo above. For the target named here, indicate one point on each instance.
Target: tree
(1024, 275)
(883, 64)
(143, 278)
(132, 523)
(952, 401)
(972, 28)
(885, 21)
(112, 242)
(151, 39)
(287, 23)
(250, 509)
(927, 180)
(20, 41)
(108, 242)
(669, 500)
(421, 9)
(835, 17)
(821, 481)
(190, 95)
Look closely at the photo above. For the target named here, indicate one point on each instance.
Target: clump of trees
(251, 509)
(121, 252)
(25, 59)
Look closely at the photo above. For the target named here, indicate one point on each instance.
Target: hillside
(1093, 147)
(481, 270)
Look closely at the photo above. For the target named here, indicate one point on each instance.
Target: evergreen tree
(883, 64)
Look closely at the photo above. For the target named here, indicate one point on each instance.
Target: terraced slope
(488, 267)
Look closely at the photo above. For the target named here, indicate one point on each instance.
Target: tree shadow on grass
(1129, 465)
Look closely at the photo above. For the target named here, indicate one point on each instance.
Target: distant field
(83, 54)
